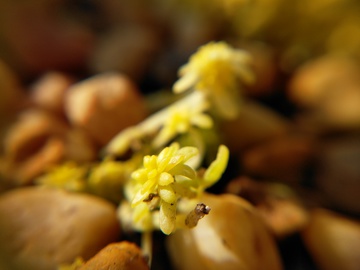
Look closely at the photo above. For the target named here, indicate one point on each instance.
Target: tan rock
(104, 105)
(117, 256)
(49, 91)
(329, 87)
(311, 82)
(41, 228)
(79, 147)
(30, 132)
(277, 204)
(283, 158)
(283, 216)
(231, 236)
(337, 174)
(254, 124)
(23, 173)
(333, 240)
(31, 145)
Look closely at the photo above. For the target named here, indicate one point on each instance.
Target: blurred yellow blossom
(134, 136)
(218, 70)
(68, 176)
(180, 121)
(124, 140)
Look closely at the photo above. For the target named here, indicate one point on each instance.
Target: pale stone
(31, 145)
(255, 124)
(231, 236)
(104, 105)
(49, 91)
(26, 136)
(41, 228)
(328, 88)
(333, 240)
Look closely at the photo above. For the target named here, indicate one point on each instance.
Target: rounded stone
(41, 228)
(118, 256)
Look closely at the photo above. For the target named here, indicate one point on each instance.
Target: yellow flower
(135, 135)
(217, 70)
(164, 183)
(158, 179)
(180, 121)
(68, 176)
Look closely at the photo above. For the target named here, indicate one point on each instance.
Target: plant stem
(146, 245)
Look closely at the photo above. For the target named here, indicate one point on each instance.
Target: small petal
(167, 217)
(167, 194)
(174, 161)
(183, 170)
(188, 152)
(218, 166)
(202, 121)
(165, 179)
(185, 82)
(121, 142)
(152, 175)
(147, 188)
(164, 136)
(139, 197)
(140, 211)
(184, 190)
(168, 152)
(150, 161)
(140, 175)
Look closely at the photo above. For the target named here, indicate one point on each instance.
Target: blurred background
(141, 37)
(149, 40)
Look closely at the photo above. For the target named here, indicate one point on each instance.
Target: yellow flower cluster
(166, 178)
(157, 179)
(178, 118)
(105, 179)
(68, 176)
(181, 121)
(217, 70)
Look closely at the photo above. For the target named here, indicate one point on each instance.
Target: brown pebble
(117, 256)
(231, 236)
(333, 240)
(41, 228)
(49, 91)
(104, 105)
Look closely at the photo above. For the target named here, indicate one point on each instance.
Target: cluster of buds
(164, 179)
